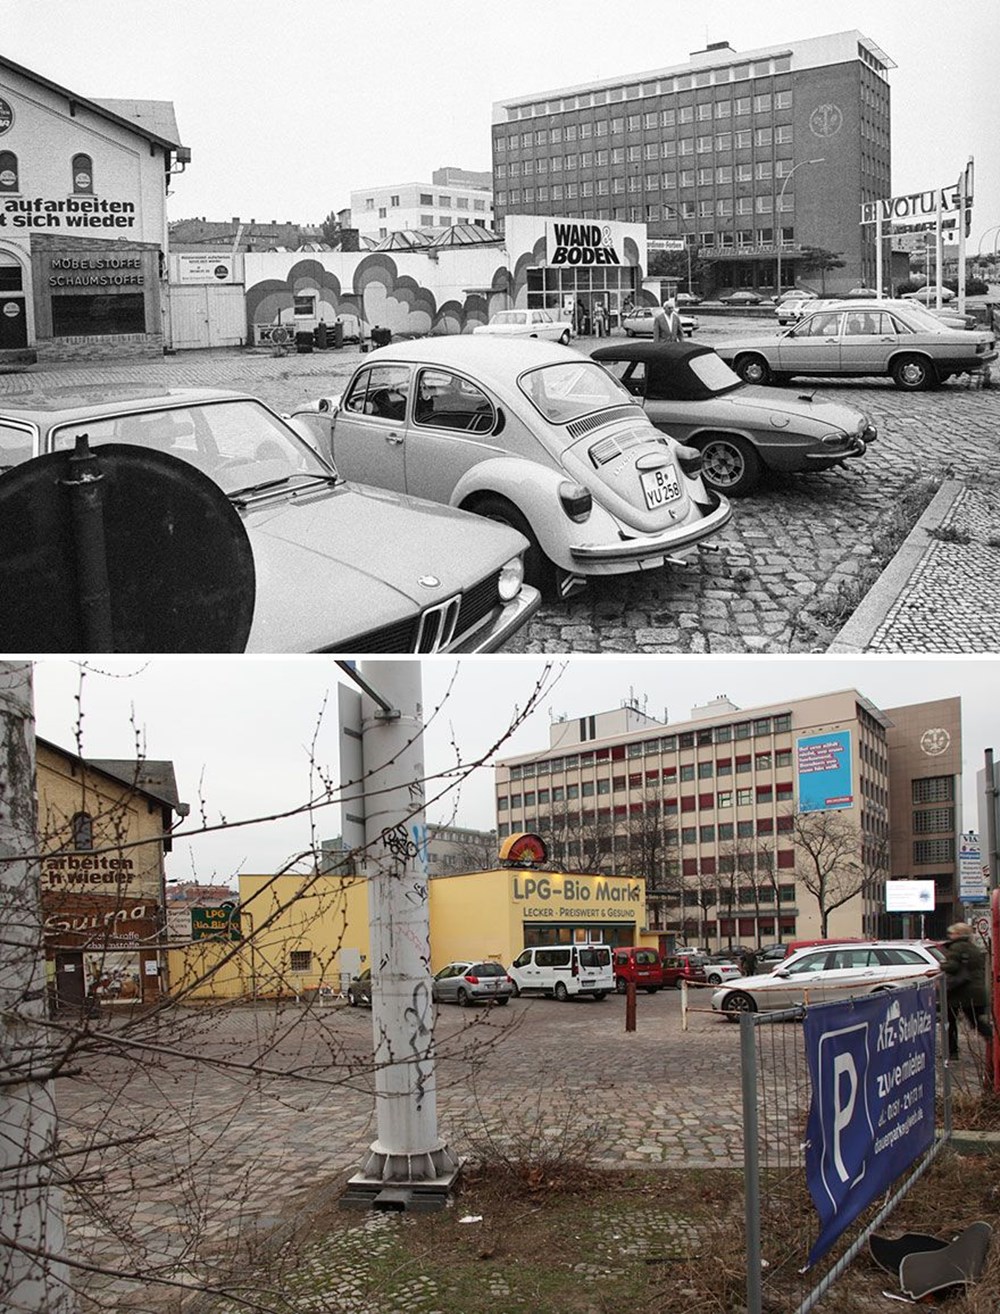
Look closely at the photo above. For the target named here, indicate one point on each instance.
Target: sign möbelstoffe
(571, 244)
(871, 1066)
(222, 923)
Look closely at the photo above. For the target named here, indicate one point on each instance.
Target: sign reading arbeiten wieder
(871, 1065)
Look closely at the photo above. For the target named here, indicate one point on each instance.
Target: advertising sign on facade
(205, 267)
(573, 243)
(871, 1067)
(825, 772)
(973, 877)
(909, 896)
(554, 897)
(222, 923)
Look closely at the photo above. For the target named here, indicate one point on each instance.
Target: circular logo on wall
(826, 121)
(11, 309)
(6, 116)
(7, 177)
(935, 742)
(82, 181)
(221, 271)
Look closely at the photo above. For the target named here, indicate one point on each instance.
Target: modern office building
(453, 196)
(718, 814)
(718, 152)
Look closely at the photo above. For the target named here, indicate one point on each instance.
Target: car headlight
(511, 579)
(576, 501)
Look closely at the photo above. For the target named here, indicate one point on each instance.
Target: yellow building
(303, 934)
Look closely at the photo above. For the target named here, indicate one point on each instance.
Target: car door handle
(395, 438)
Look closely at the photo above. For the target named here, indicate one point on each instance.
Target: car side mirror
(781, 971)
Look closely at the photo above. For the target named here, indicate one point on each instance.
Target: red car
(639, 964)
(689, 967)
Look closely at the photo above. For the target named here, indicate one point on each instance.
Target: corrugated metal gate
(207, 315)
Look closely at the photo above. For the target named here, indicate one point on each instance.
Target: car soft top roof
(668, 366)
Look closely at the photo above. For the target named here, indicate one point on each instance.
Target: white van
(562, 970)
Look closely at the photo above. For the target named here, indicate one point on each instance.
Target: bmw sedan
(830, 971)
(336, 567)
(858, 338)
(533, 435)
(466, 983)
(741, 431)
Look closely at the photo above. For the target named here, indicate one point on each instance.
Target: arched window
(82, 826)
(83, 175)
(9, 181)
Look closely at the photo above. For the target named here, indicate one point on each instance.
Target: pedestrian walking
(965, 969)
(667, 323)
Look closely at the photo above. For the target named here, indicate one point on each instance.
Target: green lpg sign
(222, 923)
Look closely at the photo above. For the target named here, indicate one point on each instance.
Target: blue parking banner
(871, 1064)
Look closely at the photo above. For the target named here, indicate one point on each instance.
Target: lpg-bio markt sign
(578, 898)
(569, 244)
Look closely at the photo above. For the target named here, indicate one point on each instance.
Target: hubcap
(723, 464)
(912, 372)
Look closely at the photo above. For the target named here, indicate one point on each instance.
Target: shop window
(305, 306)
(83, 316)
(82, 828)
(9, 180)
(300, 960)
(83, 175)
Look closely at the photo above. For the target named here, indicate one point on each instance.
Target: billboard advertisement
(973, 874)
(871, 1069)
(909, 896)
(825, 772)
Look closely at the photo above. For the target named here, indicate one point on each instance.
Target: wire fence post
(942, 992)
(751, 1159)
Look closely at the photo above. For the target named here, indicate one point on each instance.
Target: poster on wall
(825, 772)
(205, 267)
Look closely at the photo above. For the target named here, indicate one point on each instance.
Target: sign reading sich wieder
(825, 772)
(871, 1066)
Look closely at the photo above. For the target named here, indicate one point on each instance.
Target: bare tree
(829, 860)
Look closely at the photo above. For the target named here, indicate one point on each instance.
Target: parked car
(536, 436)
(338, 567)
(638, 323)
(687, 299)
(639, 964)
(678, 967)
(527, 324)
(468, 982)
(928, 295)
(829, 972)
(770, 954)
(563, 970)
(947, 315)
(741, 299)
(793, 305)
(864, 338)
(740, 430)
(720, 968)
(359, 992)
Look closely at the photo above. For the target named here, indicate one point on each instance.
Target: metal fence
(781, 1224)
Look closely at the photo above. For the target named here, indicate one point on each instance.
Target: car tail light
(510, 979)
(576, 966)
(689, 459)
(576, 500)
(472, 980)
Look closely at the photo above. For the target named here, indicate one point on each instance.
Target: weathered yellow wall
(471, 917)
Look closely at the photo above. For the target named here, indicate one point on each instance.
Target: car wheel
(651, 990)
(538, 569)
(564, 339)
(600, 994)
(621, 985)
(753, 369)
(501, 1002)
(517, 991)
(352, 999)
(462, 998)
(912, 373)
(630, 333)
(714, 979)
(738, 1002)
(561, 993)
(729, 465)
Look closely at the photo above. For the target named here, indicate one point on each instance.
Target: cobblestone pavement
(224, 1150)
(798, 556)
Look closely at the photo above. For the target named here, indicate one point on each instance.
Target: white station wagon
(527, 324)
(531, 434)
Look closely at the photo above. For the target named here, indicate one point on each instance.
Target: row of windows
(762, 794)
(81, 174)
(681, 82)
(426, 198)
(723, 207)
(654, 778)
(936, 851)
(760, 728)
(721, 175)
(929, 820)
(651, 150)
(706, 834)
(934, 789)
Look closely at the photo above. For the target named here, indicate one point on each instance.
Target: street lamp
(781, 196)
(687, 245)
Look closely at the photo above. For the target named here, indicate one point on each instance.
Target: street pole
(781, 196)
(32, 1232)
(407, 1154)
(992, 826)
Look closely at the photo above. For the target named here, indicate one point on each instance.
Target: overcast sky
(288, 108)
(239, 730)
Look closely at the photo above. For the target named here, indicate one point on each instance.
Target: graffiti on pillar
(398, 843)
(379, 295)
(419, 1018)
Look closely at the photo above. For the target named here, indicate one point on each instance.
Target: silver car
(531, 434)
(527, 324)
(467, 982)
(638, 323)
(859, 338)
(338, 567)
(828, 972)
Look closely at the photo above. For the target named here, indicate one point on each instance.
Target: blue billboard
(871, 1066)
(825, 772)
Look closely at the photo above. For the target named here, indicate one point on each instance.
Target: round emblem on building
(826, 120)
(6, 116)
(11, 309)
(935, 742)
(221, 271)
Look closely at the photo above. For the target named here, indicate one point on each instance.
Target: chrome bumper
(657, 545)
(495, 629)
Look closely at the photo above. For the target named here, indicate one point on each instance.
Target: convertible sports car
(338, 568)
(532, 434)
(858, 338)
(740, 430)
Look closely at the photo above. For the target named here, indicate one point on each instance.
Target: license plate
(659, 487)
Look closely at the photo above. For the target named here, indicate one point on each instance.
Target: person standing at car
(667, 323)
(965, 968)
(748, 962)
